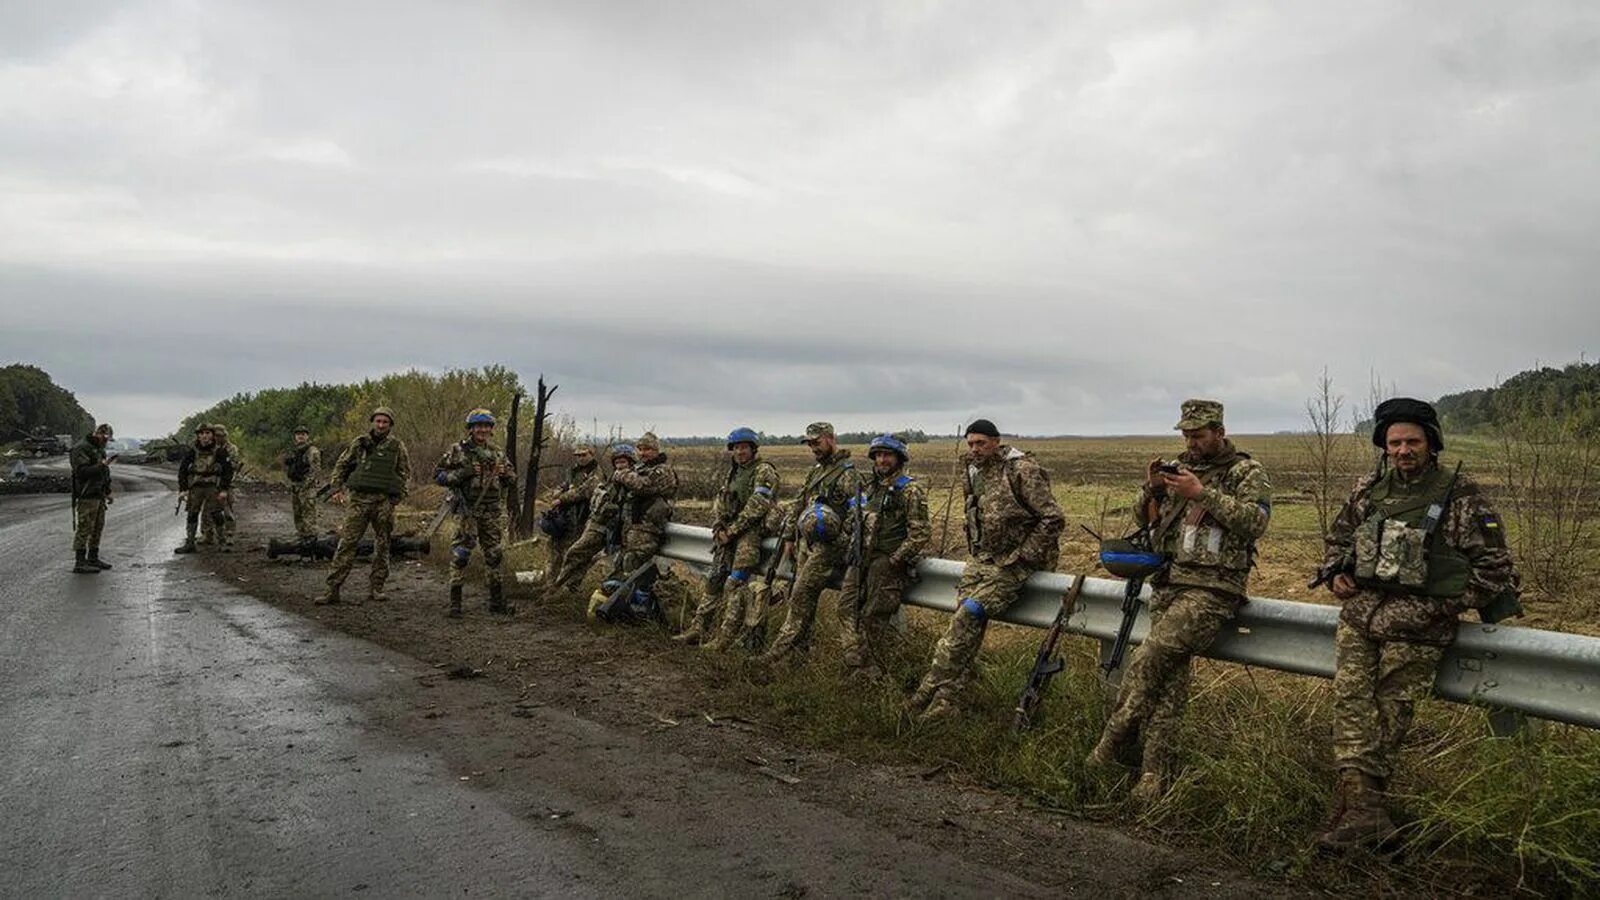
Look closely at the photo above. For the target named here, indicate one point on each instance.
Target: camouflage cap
(648, 441)
(301, 429)
(382, 411)
(583, 450)
(818, 430)
(1199, 414)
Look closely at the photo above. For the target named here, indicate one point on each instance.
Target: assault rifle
(1047, 662)
(761, 593)
(619, 603)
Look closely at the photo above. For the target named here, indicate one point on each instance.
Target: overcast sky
(1066, 217)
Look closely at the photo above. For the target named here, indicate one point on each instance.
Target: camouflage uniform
(377, 473)
(204, 473)
(222, 530)
(1013, 527)
(818, 557)
(480, 501)
(651, 488)
(1210, 543)
(91, 493)
(583, 480)
(895, 531)
(602, 533)
(303, 467)
(740, 509)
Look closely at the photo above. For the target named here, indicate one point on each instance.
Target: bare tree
(1326, 449)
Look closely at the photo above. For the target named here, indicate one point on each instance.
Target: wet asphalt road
(162, 735)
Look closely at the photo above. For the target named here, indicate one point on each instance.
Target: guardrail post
(1507, 723)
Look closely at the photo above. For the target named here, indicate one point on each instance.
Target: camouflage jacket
(1011, 516)
(1211, 540)
(831, 482)
(746, 496)
(651, 488)
(605, 505)
(306, 462)
(205, 466)
(1470, 527)
(896, 520)
(91, 477)
(480, 494)
(362, 466)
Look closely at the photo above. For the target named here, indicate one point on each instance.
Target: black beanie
(1405, 409)
(983, 427)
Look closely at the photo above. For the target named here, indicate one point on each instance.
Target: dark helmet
(205, 426)
(743, 435)
(479, 416)
(1405, 409)
(627, 450)
(891, 443)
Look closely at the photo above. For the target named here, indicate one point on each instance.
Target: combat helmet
(628, 450)
(1405, 409)
(743, 435)
(892, 444)
(478, 416)
(819, 524)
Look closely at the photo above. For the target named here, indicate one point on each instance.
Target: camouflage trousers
(1155, 688)
(89, 520)
(986, 590)
(733, 569)
(205, 508)
(366, 508)
(482, 531)
(221, 527)
(1376, 685)
(575, 563)
(814, 568)
(303, 503)
(639, 546)
(556, 554)
(870, 623)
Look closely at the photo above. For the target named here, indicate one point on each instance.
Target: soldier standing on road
(302, 465)
(603, 533)
(817, 536)
(479, 473)
(570, 509)
(1414, 546)
(91, 494)
(229, 523)
(1013, 529)
(892, 518)
(738, 514)
(651, 487)
(1205, 519)
(205, 475)
(376, 470)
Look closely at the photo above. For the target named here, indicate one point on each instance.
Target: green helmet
(382, 411)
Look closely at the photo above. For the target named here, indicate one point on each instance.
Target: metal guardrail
(1547, 674)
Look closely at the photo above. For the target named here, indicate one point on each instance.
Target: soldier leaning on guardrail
(564, 521)
(91, 493)
(1413, 547)
(603, 533)
(1013, 527)
(888, 530)
(652, 486)
(302, 465)
(738, 516)
(1205, 515)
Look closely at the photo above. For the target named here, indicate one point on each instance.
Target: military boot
(942, 708)
(1359, 819)
(187, 546)
(1148, 791)
(376, 595)
(95, 560)
(918, 701)
(455, 602)
(330, 596)
(82, 566)
(497, 601)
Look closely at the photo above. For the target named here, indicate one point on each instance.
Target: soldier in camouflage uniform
(1414, 547)
(479, 474)
(738, 514)
(571, 506)
(303, 467)
(651, 487)
(891, 518)
(1013, 527)
(222, 531)
(205, 475)
(91, 494)
(1205, 520)
(376, 469)
(817, 538)
(604, 530)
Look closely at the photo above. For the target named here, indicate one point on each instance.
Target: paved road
(164, 735)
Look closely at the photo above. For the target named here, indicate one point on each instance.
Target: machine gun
(324, 546)
(1047, 662)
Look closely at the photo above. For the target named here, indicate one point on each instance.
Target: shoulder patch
(902, 481)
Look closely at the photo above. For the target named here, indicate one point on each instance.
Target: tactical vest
(887, 505)
(298, 466)
(1190, 537)
(738, 490)
(1393, 547)
(654, 510)
(475, 489)
(207, 465)
(377, 468)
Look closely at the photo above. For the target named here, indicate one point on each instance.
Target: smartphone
(1169, 468)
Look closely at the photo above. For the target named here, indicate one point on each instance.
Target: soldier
(224, 535)
(816, 537)
(603, 533)
(1013, 529)
(651, 487)
(376, 469)
(479, 474)
(303, 467)
(1205, 518)
(564, 521)
(205, 475)
(1413, 547)
(738, 514)
(91, 494)
(891, 520)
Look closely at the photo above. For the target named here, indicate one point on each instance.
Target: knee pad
(973, 610)
(459, 556)
(738, 578)
(491, 558)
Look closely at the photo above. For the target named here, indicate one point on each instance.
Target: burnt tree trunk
(513, 499)
(530, 485)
